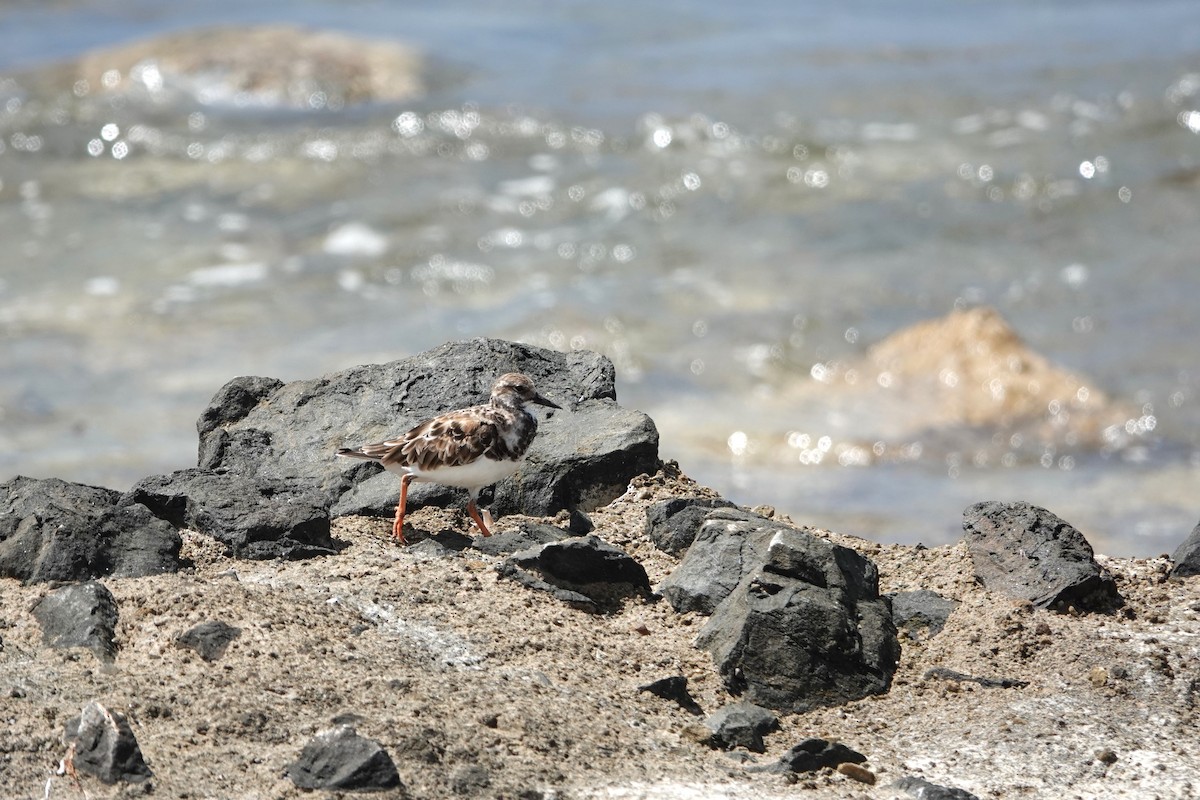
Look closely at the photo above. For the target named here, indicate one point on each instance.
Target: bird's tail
(350, 453)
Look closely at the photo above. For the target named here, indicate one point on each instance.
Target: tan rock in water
(977, 371)
(274, 65)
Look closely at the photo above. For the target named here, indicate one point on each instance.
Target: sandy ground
(477, 686)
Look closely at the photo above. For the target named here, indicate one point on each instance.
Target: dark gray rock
(1028, 553)
(811, 755)
(947, 674)
(674, 688)
(673, 524)
(470, 779)
(584, 456)
(924, 790)
(1186, 558)
(209, 639)
(741, 725)
(583, 570)
(80, 615)
(257, 517)
(104, 746)
(729, 544)
(581, 560)
(53, 530)
(525, 536)
(340, 759)
(807, 628)
(922, 613)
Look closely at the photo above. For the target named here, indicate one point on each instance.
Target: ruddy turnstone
(470, 448)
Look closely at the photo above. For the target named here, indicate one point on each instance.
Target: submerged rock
(674, 688)
(1028, 553)
(265, 65)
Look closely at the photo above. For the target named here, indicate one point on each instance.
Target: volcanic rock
(583, 570)
(923, 613)
(729, 544)
(1028, 553)
(340, 759)
(209, 639)
(811, 755)
(104, 745)
(741, 725)
(80, 615)
(583, 457)
(257, 517)
(673, 524)
(805, 628)
(53, 530)
(1186, 557)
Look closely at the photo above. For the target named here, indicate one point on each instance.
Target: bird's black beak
(541, 401)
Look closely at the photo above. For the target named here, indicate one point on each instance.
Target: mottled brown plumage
(470, 448)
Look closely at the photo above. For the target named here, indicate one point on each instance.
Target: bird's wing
(446, 441)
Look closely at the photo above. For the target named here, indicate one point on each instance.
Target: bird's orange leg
(473, 510)
(398, 525)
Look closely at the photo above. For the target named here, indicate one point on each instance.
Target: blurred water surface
(717, 196)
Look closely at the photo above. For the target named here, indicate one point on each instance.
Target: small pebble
(860, 774)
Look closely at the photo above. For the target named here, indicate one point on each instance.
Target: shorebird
(469, 448)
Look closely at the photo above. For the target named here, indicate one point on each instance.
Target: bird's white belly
(475, 475)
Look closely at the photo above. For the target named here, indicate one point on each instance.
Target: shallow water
(718, 199)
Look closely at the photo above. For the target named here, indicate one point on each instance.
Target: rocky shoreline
(246, 627)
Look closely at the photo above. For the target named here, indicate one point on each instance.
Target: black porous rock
(741, 725)
(583, 457)
(922, 613)
(1028, 553)
(924, 790)
(524, 536)
(53, 530)
(806, 628)
(673, 524)
(209, 639)
(1186, 558)
(340, 759)
(811, 755)
(582, 570)
(80, 615)
(256, 517)
(103, 745)
(674, 688)
(729, 544)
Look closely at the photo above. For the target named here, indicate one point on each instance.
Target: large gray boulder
(255, 516)
(1028, 553)
(728, 545)
(1186, 558)
(53, 530)
(804, 628)
(584, 455)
